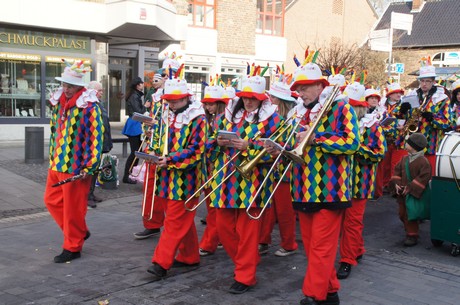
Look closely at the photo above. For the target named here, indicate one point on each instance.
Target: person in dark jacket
(107, 140)
(133, 129)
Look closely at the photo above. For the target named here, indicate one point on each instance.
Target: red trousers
(411, 227)
(239, 235)
(320, 236)
(68, 204)
(352, 242)
(210, 238)
(432, 160)
(282, 211)
(179, 234)
(386, 168)
(158, 215)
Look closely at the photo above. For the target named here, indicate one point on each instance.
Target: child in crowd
(420, 171)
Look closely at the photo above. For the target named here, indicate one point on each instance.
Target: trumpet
(296, 155)
(257, 134)
(164, 137)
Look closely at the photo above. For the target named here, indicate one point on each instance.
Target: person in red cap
(181, 147)
(393, 133)
(249, 117)
(371, 151)
(281, 211)
(320, 187)
(214, 104)
(75, 149)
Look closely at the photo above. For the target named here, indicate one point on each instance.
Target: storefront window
(53, 68)
(19, 85)
(195, 84)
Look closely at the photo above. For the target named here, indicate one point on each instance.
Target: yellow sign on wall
(19, 56)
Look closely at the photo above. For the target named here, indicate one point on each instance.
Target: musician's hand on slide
(162, 162)
(222, 142)
(271, 150)
(240, 144)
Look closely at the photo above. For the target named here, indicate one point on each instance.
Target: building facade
(119, 39)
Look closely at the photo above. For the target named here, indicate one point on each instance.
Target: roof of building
(436, 24)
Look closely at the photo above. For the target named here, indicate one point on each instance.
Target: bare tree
(355, 60)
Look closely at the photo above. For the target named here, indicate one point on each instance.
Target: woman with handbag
(133, 129)
(410, 185)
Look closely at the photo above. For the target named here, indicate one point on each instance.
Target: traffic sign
(399, 68)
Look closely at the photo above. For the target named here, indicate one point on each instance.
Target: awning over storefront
(131, 19)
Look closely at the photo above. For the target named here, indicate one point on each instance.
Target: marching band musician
(153, 223)
(75, 148)
(179, 175)
(455, 104)
(281, 210)
(214, 103)
(371, 151)
(393, 134)
(320, 189)
(436, 114)
(249, 116)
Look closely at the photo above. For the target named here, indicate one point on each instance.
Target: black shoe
(359, 257)
(308, 301)
(92, 204)
(332, 299)
(146, 233)
(178, 264)
(66, 256)
(203, 221)
(87, 235)
(344, 271)
(129, 181)
(158, 271)
(238, 288)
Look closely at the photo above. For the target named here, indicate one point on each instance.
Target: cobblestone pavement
(113, 264)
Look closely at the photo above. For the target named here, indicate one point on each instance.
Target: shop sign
(44, 41)
(19, 56)
(58, 59)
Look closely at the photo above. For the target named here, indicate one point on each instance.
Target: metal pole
(391, 51)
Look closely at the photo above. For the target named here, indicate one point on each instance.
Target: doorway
(120, 76)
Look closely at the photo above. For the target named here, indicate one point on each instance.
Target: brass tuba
(296, 155)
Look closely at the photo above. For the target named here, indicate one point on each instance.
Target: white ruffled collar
(266, 110)
(88, 96)
(368, 120)
(194, 110)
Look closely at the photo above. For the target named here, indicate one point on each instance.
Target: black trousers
(134, 144)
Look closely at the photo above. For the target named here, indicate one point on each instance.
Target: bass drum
(448, 156)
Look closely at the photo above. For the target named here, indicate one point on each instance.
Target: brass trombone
(296, 155)
(267, 176)
(165, 138)
(212, 178)
(247, 166)
(141, 148)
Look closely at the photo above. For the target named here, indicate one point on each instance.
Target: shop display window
(53, 68)
(19, 85)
